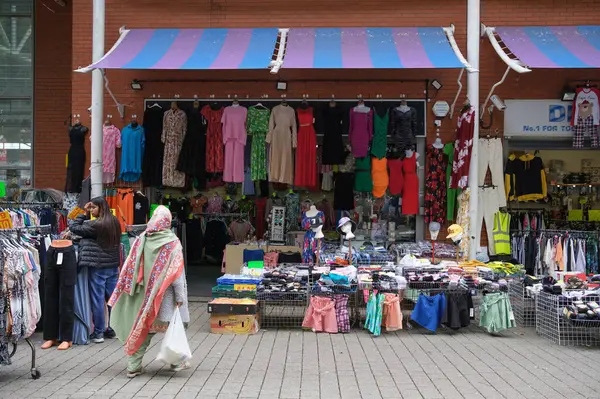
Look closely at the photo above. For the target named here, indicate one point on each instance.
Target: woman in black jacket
(99, 251)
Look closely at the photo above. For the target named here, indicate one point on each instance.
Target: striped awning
(553, 46)
(190, 49)
(362, 48)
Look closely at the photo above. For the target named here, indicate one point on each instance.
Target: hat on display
(343, 221)
(454, 230)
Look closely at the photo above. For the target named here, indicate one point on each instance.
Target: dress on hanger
(76, 158)
(306, 154)
(396, 176)
(111, 140)
(361, 132)
(155, 149)
(331, 125)
(343, 194)
(381, 179)
(282, 137)
(234, 138)
(192, 158)
(214, 138)
(404, 127)
(292, 212)
(379, 144)
(410, 192)
(174, 127)
(258, 127)
(132, 153)
(435, 186)
(362, 176)
(259, 220)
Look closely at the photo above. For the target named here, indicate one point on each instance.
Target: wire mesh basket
(552, 325)
(523, 304)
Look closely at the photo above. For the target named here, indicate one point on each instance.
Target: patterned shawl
(154, 263)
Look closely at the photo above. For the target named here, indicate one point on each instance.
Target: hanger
(235, 100)
(304, 103)
(284, 99)
(134, 122)
(466, 106)
(155, 105)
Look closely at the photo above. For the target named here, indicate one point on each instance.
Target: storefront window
(16, 92)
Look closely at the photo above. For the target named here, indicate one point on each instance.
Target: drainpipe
(473, 37)
(97, 98)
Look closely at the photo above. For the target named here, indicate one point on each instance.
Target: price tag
(59, 258)
(511, 316)
(5, 220)
(244, 287)
(471, 313)
(2, 189)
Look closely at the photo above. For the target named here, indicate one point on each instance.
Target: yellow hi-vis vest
(502, 233)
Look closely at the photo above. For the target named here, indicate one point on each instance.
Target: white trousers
(490, 155)
(486, 208)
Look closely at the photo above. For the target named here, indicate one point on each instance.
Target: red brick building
(63, 42)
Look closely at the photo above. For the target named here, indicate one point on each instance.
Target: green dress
(257, 125)
(363, 182)
(379, 144)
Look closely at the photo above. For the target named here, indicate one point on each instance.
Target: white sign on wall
(538, 118)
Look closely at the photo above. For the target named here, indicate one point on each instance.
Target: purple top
(360, 132)
(234, 124)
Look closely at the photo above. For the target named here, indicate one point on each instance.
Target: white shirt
(590, 95)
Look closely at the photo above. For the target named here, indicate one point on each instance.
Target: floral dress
(292, 212)
(310, 242)
(258, 127)
(215, 159)
(435, 191)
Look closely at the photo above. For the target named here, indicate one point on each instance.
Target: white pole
(97, 99)
(473, 37)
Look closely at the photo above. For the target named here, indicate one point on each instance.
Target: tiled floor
(295, 364)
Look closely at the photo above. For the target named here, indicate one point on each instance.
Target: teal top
(379, 144)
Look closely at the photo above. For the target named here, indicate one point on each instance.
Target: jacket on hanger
(525, 178)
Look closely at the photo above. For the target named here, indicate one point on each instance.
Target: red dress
(259, 223)
(306, 152)
(410, 193)
(214, 139)
(396, 178)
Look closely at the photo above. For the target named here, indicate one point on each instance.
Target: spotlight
(136, 85)
(436, 84)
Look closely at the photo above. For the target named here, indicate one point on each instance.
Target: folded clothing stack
(580, 310)
(283, 280)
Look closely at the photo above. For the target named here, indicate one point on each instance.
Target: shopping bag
(175, 348)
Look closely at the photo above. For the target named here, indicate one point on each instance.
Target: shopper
(151, 287)
(99, 251)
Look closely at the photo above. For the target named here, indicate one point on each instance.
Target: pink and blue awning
(261, 48)
(190, 49)
(362, 48)
(553, 46)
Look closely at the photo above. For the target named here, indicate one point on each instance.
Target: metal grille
(522, 303)
(552, 325)
(282, 310)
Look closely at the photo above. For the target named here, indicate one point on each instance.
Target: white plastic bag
(175, 348)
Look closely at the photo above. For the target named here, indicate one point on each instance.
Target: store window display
(174, 129)
(282, 138)
(111, 140)
(403, 123)
(234, 139)
(134, 141)
(76, 157)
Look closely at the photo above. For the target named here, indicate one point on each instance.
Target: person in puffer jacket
(99, 251)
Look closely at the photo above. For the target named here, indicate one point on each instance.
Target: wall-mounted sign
(538, 118)
(441, 109)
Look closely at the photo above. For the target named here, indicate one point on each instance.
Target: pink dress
(111, 140)
(320, 315)
(234, 138)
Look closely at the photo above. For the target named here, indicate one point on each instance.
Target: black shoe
(110, 333)
(97, 338)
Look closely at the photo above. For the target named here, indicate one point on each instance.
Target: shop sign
(5, 220)
(538, 118)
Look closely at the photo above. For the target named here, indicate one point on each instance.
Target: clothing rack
(550, 231)
(16, 204)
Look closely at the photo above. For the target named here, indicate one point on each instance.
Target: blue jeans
(102, 284)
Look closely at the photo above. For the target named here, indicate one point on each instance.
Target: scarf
(154, 263)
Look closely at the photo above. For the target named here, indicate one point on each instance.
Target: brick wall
(53, 74)
(309, 13)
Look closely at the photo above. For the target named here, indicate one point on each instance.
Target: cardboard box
(230, 307)
(234, 324)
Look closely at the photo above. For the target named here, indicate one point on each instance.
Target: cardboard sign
(5, 220)
(244, 287)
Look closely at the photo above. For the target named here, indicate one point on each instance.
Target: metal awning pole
(97, 98)
(473, 37)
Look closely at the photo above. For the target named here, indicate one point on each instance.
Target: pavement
(295, 364)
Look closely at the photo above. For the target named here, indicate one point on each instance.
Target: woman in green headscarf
(150, 288)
